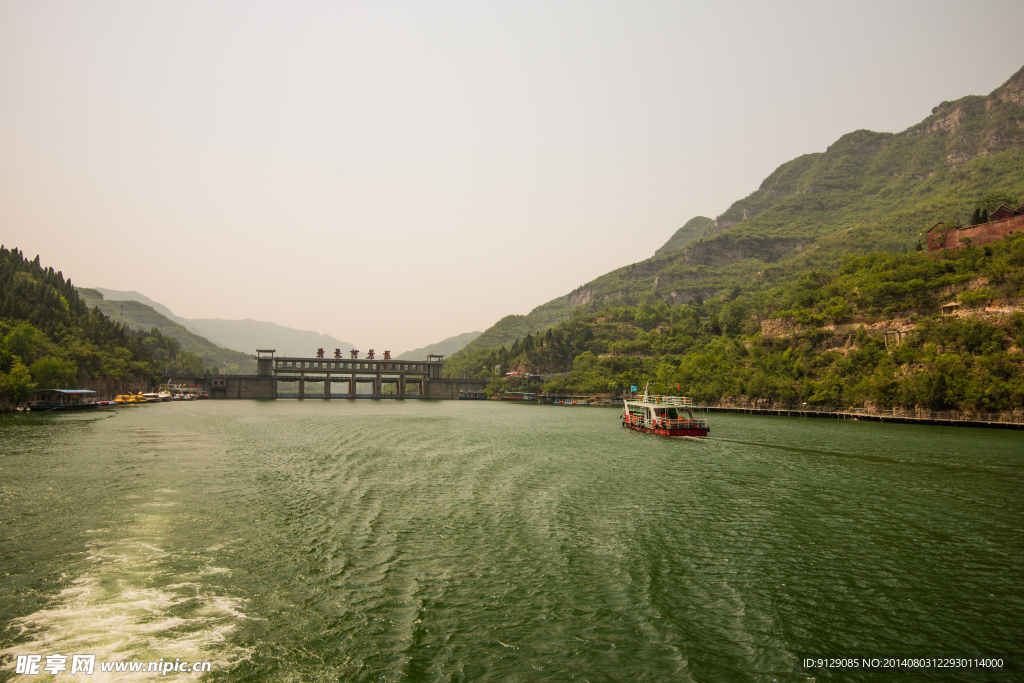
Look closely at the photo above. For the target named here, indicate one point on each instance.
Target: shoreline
(867, 417)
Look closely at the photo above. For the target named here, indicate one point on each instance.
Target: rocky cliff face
(1012, 91)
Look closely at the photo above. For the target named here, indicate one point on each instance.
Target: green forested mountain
(140, 316)
(50, 338)
(868, 192)
(819, 340)
(694, 229)
(786, 296)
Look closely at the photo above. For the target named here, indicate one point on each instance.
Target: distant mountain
(868, 192)
(241, 335)
(254, 334)
(140, 316)
(444, 348)
(115, 295)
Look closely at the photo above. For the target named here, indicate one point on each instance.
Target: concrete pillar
(302, 386)
(376, 386)
(327, 386)
(351, 386)
(401, 386)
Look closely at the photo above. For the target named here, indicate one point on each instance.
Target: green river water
(481, 541)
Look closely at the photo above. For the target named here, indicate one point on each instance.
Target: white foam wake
(129, 606)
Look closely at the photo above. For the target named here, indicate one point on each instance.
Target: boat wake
(131, 607)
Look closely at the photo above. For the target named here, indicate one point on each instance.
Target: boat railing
(668, 400)
(684, 423)
(667, 423)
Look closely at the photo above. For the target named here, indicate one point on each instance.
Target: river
(482, 541)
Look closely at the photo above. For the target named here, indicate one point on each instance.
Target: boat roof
(66, 391)
(662, 401)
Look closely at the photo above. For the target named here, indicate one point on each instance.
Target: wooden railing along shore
(1004, 420)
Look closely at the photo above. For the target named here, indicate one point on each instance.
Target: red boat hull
(669, 432)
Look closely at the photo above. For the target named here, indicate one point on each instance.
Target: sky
(395, 173)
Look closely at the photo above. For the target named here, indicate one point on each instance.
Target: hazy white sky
(394, 173)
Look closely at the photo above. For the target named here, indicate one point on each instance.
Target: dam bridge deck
(325, 378)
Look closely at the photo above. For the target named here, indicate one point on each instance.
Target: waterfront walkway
(951, 418)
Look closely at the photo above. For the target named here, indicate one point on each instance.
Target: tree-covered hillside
(820, 339)
(869, 192)
(140, 316)
(49, 337)
(694, 229)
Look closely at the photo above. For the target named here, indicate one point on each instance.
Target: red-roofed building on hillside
(1003, 212)
(1002, 222)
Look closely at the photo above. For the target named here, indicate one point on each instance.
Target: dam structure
(353, 377)
(320, 377)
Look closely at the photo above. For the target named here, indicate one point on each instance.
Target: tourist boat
(518, 396)
(663, 415)
(123, 399)
(472, 396)
(152, 397)
(61, 399)
(165, 396)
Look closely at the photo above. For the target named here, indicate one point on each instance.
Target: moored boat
(61, 399)
(519, 396)
(665, 415)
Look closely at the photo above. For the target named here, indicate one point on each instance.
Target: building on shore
(1002, 222)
